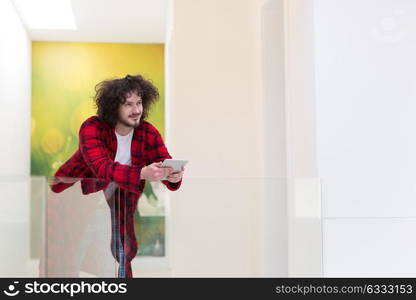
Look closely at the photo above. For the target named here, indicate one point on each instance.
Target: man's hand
(154, 172)
(176, 177)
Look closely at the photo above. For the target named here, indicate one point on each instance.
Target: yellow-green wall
(63, 79)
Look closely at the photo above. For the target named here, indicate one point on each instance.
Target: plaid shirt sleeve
(97, 157)
(157, 152)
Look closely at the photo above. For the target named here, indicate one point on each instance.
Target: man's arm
(158, 153)
(97, 157)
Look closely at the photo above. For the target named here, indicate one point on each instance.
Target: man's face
(130, 112)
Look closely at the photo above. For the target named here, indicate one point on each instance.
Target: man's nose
(136, 109)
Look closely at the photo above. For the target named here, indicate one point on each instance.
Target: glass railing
(210, 227)
(84, 228)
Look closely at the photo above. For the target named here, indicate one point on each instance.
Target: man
(119, 146)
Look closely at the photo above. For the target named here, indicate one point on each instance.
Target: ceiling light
(46, 14)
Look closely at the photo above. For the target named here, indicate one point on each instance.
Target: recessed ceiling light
(46, 14)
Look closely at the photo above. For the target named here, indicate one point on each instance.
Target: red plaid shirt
(95, 160)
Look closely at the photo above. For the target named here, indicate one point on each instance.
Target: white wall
(275, 219)
(216, 123)
(15, 95)
(304, 202)
(237, 113)
(365, 90)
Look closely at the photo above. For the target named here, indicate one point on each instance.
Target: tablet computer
(175, 164)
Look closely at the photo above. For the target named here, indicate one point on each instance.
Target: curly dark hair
(111, 93)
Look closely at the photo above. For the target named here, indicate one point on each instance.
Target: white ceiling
(112, 21)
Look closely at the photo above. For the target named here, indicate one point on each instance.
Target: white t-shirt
(123, 154)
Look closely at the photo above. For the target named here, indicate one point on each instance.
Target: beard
(129, 122)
